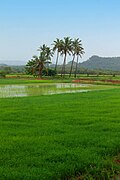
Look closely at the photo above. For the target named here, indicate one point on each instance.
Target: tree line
(63, 47)
(5, 69)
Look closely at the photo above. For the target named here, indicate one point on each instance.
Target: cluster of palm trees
(63, 47)
(36, 65)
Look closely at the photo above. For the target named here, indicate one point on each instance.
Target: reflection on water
(39, 89)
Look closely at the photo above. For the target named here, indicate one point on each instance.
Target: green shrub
(2, 74)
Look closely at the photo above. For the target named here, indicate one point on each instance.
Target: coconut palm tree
(57, 45)
(42, 48)
(49, 54)
(75, 44)
(79, 53)
(76, 47)
(46, 51)
(66, 46)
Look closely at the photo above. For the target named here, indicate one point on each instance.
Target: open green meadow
(60, 136)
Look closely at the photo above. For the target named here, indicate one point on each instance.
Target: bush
(49, 72)
(2, 74)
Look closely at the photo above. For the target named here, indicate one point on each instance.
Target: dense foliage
(36, 65)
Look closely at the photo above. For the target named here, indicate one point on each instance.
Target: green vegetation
(2, 74)
(60, 136)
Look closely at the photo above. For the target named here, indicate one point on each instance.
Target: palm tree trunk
(56, 61)
(76, 66)
(63, 67)
(40, 71)
(72, 65)
(33, 71)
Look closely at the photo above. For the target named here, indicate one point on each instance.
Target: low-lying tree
(49, 72)
(2, 74)
(38, 63)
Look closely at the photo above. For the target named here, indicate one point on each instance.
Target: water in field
(40, 89)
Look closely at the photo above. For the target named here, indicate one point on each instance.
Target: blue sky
(27, 24)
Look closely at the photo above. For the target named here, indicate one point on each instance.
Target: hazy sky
(27, 24)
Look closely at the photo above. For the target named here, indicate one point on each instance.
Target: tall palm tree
(49, 54)
(76, 49)
(75, 45)
(46, 51)
(79, 53)
(66, 49)
(57, 45)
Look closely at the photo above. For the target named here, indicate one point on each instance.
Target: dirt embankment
(94, 80)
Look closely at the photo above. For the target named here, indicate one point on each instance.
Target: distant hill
(106, 63)
(3, 65)
(13, 62)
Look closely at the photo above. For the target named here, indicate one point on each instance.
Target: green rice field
(60, 136)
